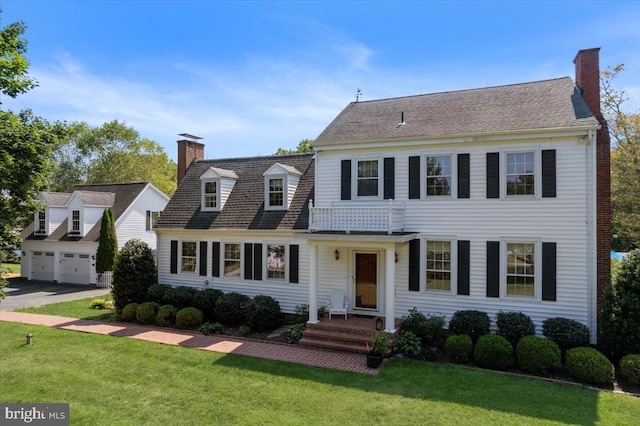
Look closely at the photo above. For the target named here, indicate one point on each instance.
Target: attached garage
(42, 265)
(75, 268)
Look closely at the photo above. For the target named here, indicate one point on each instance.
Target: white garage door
(42, 266)
(74, 268)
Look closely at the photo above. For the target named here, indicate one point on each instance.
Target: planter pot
(374, 359)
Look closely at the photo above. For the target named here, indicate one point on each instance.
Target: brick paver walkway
(224, 344)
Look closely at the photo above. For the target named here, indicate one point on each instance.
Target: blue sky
(250, 77)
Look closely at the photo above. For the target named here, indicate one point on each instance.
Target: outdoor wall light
(336, 254)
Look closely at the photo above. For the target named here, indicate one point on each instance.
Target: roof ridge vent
(402, 122)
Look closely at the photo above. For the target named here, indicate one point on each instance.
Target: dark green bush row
(458, 348)
(166, 316)
(566, 333)
(513, 326)
(189, 318)
(589, 366)
(630, 368)
(493, 352)
(472, 323)
(429, 329)
(537, 355)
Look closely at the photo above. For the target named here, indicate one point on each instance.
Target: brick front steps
(350, 335)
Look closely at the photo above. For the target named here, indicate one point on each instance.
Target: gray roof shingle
(538, 105)
(244, 208)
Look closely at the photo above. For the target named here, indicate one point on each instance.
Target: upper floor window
(232, 260)
(189, 256)
(367, 178)
(520, 173)
(521, 269)
(211, 194)
(75, 220)
(439, 175)
(152, 219)
(439, 265)
(276, 192)
(276, 261)
(42, 222)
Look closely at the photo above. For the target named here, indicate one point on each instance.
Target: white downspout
(592, 230)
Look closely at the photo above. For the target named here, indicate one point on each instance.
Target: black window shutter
(549, 271)
(174, 257)
(414, 265)
(293, 263)
(414, 178)
(389, 178)
(345, 180)
(549, 173)
(493, 175)
(215, 264)
(148, 224)
(257, 262)
(203, 258)
(463, 267)
(248, 264)
(463, 176)
(493, 268)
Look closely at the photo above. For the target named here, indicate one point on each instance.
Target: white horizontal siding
(58, 248)
(57, 215)
(133, 223)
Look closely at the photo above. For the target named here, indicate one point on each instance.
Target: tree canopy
(14, 78)
(304, 146)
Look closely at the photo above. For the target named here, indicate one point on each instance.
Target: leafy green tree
(108, 245)
(133, 273)
(14, 78)
(111, 153)
(624, 128)
(304, 146)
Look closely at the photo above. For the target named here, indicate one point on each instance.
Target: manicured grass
(14, 268)
(111, 380)
(80, 308)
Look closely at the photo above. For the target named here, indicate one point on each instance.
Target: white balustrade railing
(387, 218)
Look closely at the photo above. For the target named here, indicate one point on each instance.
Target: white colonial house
(490, 199)
(61, 243)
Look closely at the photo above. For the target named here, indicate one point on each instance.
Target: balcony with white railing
(384, 216)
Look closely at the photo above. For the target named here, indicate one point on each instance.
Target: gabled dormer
(84, 209)
(280, 183)
(216, 185)
(52, 212)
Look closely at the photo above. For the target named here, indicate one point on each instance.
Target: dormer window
(280, 183)
(216, 186)
(75, 221)
(41, 223)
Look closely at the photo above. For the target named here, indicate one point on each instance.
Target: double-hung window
(211, 194)
(276, 192)
(521, 269)
(367, 178)
(232, 265)
(189, 256)
(520, 173)
(75, 221)
(438, 271)
(42, 222)
(276, 261)
(439, 175)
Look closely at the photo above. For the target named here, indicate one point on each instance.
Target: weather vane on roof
(358, 94)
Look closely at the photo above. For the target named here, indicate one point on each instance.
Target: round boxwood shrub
(156, 292)
(630, 368)
(189, 318)
(493, 352)
(566, 333)
(537, 355)
(129, 312)
(205, 300)
(166, 316)
(146, 313)
(458, 348)
(231, 308)
(181, 297)
(472, 323)
(263, 313)
(513, 326)
(587, 365)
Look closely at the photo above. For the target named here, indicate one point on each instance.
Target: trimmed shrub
(156, 292)
(587, 365)
(134, 272)
(458, 348)
(537, 355)
(472, 323)
(146, 313)
(263, 313)
(620, 315)
(166, 316)
(205, 300)
(231, 308)
(129, 312)
(211, 328)
(407, 343)
(188, 318)
(513, 326)
(181, 297)
(493, 352)
(630, 368)
(244, 330)
(566, 333)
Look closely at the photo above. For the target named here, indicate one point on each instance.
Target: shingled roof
(244, 208)
(118, 195)
(544, 104)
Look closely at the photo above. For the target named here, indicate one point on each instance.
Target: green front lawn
(112, 380)
(13, 268)
(80, 308)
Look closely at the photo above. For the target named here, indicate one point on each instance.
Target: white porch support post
(313, 284)
(390, 291)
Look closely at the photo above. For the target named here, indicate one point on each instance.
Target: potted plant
(377, 349)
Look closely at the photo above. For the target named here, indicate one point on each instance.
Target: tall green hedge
(108, 244)
(134, 272)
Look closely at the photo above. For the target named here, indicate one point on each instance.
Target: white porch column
(390, 291)
(313, 284)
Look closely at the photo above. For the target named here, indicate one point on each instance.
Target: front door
(366, 281)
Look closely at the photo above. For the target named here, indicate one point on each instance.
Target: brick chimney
(588, 80)
(189, 149)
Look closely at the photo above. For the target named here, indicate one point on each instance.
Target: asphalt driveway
(22, 293)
